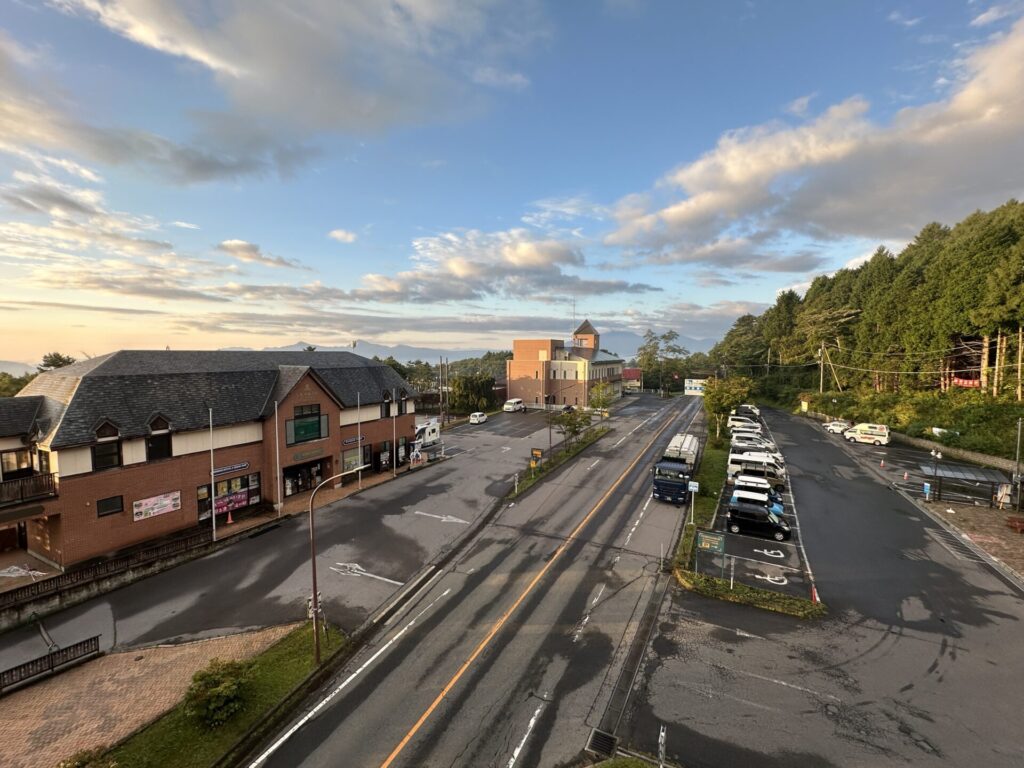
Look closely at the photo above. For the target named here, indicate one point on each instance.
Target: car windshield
(669, 472)
(774, 518)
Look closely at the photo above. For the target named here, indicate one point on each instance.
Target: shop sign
(231, 468)
(231, 501)
(350, 440)
(310, 454)
(156, 505)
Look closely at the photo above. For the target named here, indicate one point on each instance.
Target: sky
(458, 173)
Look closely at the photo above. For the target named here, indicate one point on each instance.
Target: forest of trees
(915, 320)
(943, 317)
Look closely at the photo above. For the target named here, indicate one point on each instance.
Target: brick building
(545, 372)
(113, 451)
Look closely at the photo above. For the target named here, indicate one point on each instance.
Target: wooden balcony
(31, 488)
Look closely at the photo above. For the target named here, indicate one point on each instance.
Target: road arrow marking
(443, 518)
(355, 569)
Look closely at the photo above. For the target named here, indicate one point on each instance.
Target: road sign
(711, 542)
(693, 487)
(537, 453)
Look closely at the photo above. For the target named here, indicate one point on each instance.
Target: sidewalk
(103, 701)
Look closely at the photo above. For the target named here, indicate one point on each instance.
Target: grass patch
(179, 741)
(710, 586)
(624, 762)
(557, 459)
(711, 476)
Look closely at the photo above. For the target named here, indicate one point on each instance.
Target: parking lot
(760, 561)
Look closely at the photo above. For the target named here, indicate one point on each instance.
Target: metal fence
(101, 569)
(44, 665)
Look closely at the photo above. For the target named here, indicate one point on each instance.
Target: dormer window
(106, 454)
(158, 444)
(385, 406)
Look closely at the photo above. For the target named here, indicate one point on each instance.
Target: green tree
(722, 395)
(396, 366)
(569, 424)
(601, 396)
(472, 392)
(309, 348)
(12, 385)
(53, 360)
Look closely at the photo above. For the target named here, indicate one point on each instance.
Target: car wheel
(876, 442)
(852, 439)
(734, 528)
(780, 488)
(778, 535)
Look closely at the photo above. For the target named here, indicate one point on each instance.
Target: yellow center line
(505, 617)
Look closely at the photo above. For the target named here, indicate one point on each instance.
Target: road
(511, 655)
(919, 662)
(389, 530)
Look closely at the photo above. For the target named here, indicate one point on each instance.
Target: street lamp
(315, 602)
(936, 458)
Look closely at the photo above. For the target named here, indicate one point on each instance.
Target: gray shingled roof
(585, 329)
(18, 415)
(595, 355)
(130, 387)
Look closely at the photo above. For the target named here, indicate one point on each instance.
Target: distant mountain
(401, 352)
(16, 369)
(622, 343)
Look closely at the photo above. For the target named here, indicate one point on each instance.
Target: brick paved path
(102, 701)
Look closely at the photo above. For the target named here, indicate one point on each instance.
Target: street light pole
(936, 458)
(315, 602)
(1017, 465)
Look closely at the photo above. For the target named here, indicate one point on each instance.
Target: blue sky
(171, 173)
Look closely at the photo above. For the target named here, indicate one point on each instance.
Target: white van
(738, 461)
(748, 429)
(515, 404)
(760, 450)
(876, 434)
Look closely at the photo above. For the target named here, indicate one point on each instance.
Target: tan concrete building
(545, 373)
(118, 450)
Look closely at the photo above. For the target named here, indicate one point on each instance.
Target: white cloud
(800, 105)
(994, 14)
(496, 78)
(185, 225)
(841, 174)
(896, 17)
(342, 235)
(550, 211)
(250, 253)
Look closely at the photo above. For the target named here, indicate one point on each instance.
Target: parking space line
(765, 562)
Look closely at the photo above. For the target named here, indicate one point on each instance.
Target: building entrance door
(303, 477)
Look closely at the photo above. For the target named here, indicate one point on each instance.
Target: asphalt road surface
(921, 661)
(510, 656)
(388, 531)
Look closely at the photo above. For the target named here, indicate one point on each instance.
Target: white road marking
(646, 503)
(529, 729)
(355, 569)
(783, 683)
(771, 552)
(593, 465)
(506, 448)
(777, 580)
(443, 518)
(633, 529)
(598, 596)
(617, 444)
(345, 683)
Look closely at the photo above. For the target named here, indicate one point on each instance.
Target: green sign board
(711, 542)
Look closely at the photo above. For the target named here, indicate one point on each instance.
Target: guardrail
(45, 665)
(99, 570)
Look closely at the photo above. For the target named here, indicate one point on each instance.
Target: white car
(477, 418)
(837, 427)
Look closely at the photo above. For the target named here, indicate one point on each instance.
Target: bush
(88, 758)
(217, 693)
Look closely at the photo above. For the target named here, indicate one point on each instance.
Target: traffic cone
(881, 464)
(906, 475)
(230, 521)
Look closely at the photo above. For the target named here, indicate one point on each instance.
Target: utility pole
(1017, 465)
(768, 365)
(821, 369)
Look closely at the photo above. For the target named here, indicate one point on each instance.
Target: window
(401, 407)
(576, 373)
(235, 493)
(106, 430)
(15, 463)
(106, 455)
(44, 462)
(351, 459)
(110, 506)
(536, 374)
(158, 447)
(159, 424)
(308, 424)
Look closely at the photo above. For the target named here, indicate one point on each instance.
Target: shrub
(88, 758)
(217, 693)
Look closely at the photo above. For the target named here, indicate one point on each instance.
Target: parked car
(737, 420)
(837, 427)
(747, 409)
(568, 408)
(757, 497)
(513, 405)
(876, 434)
(751, 518)
(758, 485)
(477, 418)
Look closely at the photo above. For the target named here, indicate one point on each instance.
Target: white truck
(428, 434)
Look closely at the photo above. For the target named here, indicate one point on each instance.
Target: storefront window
(351, 460)
(234, 493)
(106, 455)
(302, 478)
